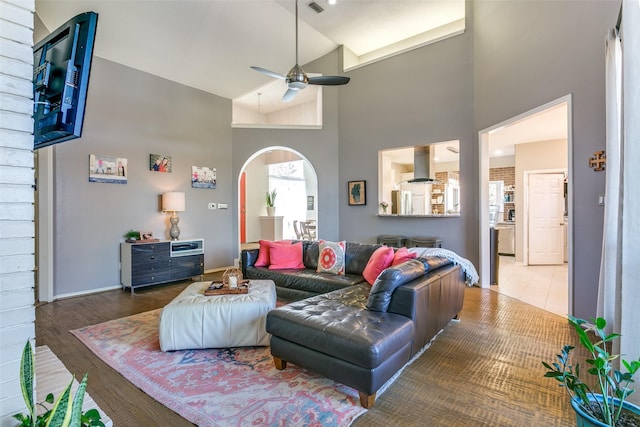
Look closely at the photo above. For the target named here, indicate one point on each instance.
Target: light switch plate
(222, 206)
(601, 200)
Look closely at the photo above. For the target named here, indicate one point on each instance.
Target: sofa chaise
(350, 331)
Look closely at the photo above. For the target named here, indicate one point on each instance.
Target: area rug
(219, 387)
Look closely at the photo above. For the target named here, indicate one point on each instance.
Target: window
(287, 178)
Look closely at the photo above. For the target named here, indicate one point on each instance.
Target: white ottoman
(193, 320)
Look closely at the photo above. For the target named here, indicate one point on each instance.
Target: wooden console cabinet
(144, 264)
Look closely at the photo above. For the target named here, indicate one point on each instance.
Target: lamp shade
(173, 201)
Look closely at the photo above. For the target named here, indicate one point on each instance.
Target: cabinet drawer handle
(153, 257)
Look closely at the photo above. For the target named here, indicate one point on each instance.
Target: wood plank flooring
(484, 370)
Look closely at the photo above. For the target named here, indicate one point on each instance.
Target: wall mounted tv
(61, 67)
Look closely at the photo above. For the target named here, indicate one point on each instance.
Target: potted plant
(606, 405)
(384, 205)
(132, 235)
(66, 411)
(271, 200)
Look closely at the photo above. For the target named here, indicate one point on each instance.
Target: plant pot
(271, 210)
(583, 419)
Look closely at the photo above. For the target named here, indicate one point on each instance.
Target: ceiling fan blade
(289, 95)
(268, 72)
(329, 80)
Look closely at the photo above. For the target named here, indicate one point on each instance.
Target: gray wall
(528, 53)
(319, 146)
(420, 97)
(132, 114)
(514, 56)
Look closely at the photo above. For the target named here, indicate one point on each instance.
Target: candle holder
(232, 277)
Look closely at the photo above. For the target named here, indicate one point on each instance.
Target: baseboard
(217, 270)
(87, 292)
(111, 288)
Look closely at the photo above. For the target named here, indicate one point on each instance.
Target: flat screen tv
(61, 67)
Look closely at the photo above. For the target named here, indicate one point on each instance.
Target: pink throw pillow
(286, 257)
(263, 253)
(403, 255)
(379, 260)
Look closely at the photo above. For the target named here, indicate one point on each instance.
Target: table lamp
(173, 201)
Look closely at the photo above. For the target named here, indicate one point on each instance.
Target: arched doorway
(293, 177)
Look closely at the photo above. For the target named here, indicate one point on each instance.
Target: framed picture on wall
(109, 169)
(159, 163)
(203, 177)
(357, 193)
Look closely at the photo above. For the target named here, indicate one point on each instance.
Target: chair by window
(308, 230)
(297, 228)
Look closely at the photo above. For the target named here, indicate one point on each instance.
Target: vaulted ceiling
(210, 44)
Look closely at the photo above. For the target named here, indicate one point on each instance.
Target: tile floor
(545, 286)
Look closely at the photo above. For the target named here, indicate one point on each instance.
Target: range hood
(422, 163)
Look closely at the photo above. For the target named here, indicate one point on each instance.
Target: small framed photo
(357, 193)
(146, 235)
(203, 177)
(109, 169)
(159, 163)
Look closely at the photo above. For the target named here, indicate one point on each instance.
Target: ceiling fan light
(296, 85)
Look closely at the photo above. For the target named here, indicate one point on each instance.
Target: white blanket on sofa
(467, 266)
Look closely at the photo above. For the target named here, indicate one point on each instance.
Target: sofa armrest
(430, 301)
(248, 257)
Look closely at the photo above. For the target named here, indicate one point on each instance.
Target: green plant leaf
(61, 411)
(26, 378)
(92, 418)
(76, 409)
(600, 323)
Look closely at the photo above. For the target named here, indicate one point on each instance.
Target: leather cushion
(311, 254)
(357, 256)
(392, 277)
(389, 280)
(338, 325)
(305, 280)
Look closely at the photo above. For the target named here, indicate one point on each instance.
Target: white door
(546, 218)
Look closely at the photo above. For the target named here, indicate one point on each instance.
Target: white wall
(502, 162)
(257, 184)
(17, 314)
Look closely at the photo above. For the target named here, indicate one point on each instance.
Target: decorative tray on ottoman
(217, 287)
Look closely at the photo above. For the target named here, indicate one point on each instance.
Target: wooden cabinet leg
(280, 364)
(367, 400)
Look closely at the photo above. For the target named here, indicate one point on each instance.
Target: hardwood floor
(484, 370)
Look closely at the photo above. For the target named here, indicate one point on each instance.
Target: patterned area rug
(219, 387)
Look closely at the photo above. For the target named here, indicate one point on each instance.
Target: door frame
(483, 191)
(44, 214)
(253, 157)
(525, 207)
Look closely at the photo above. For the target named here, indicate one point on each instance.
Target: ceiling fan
(297, 79)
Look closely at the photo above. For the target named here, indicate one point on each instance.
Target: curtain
(630, 299)
(609, 288)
